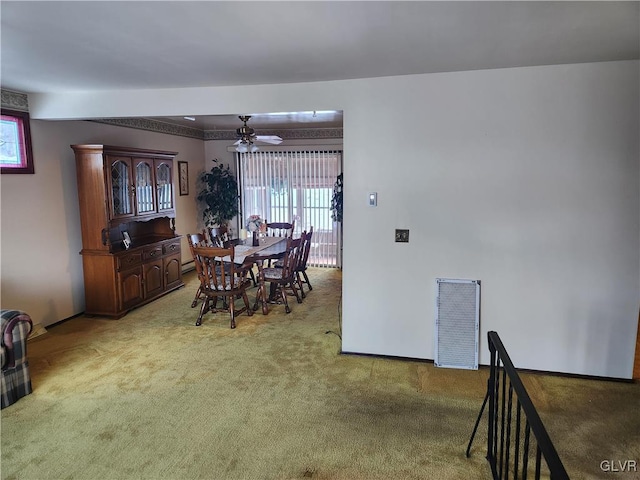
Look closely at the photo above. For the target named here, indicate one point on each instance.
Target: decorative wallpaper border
(153, 126)
(14, 100)
(19, 101)
(172, 129)
(292, 133)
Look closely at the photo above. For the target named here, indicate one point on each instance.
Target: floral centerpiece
(255, 223)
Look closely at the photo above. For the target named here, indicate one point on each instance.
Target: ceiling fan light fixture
(247, 136)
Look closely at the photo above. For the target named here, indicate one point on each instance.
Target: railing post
(492, 405)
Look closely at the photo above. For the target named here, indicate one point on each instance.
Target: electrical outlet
(402, 236)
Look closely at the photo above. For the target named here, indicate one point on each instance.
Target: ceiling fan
(247, 136)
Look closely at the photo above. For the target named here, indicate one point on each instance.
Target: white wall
(524, 178)
(40, 224)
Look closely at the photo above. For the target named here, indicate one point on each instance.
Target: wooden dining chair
(280, 229)
(217, 236)
(196, 240)
(281, 280)
(301, 268)
(214, 237)
(220, 278)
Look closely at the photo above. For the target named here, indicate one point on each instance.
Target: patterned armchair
(16, 380)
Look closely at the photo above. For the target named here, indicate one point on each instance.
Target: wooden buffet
(130, 190)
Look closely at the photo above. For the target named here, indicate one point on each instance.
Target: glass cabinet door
(164, 185)
(121, 188)
(145, 199)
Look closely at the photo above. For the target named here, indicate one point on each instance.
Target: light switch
(373, 199)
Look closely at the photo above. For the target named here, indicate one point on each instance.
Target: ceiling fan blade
(272, 139)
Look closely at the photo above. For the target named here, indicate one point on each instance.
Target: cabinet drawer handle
(131, 259)
(172, 247)
(152, 253)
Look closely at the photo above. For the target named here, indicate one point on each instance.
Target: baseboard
(486, 366)
(188, 266)
(389, 357)
(59, 322)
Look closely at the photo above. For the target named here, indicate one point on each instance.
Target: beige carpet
(151, 396)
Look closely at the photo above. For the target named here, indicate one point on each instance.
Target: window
(286, 186)
(15, 143)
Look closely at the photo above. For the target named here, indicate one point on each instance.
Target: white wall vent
(457, 323)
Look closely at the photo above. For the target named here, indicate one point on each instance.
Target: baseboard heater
(457, 323)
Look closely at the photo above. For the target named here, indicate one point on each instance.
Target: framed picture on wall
(15, 143)
(183, 177)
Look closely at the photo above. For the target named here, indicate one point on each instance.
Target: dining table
(269, 248)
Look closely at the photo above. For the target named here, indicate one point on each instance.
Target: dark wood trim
(26, 131)
(636, 363)
(137, 152)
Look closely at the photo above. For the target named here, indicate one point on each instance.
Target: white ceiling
(82, 46)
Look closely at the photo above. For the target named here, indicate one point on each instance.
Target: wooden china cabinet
(128, 191)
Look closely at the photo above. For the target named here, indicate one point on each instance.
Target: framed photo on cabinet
(15, 143)
(183, 178)
(126, 240)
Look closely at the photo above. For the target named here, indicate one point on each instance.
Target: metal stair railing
(510, 449)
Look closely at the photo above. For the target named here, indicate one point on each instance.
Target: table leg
(261, 296)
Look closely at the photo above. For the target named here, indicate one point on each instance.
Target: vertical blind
(286, 186)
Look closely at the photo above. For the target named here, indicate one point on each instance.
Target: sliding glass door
(286, 186)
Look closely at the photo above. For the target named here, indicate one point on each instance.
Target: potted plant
(219, 194)
(336, 200)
